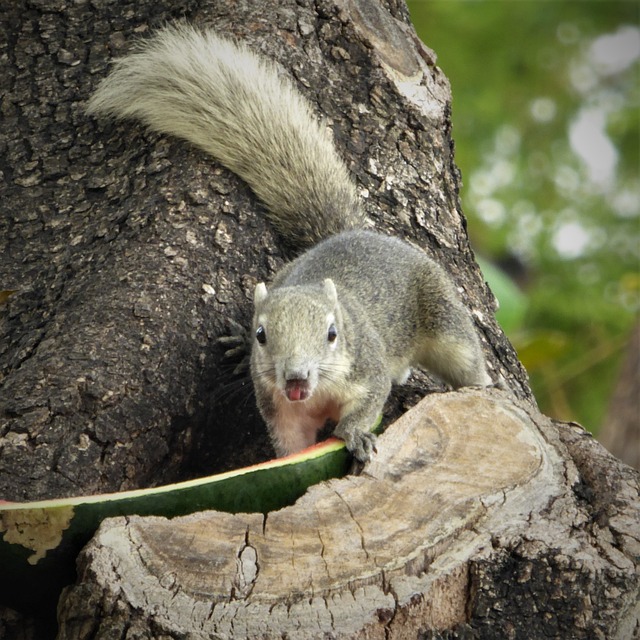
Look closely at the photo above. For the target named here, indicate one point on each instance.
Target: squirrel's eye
(332, 334)
(261, 335)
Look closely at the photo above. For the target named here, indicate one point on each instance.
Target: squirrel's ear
(330, 290)
(260, 293)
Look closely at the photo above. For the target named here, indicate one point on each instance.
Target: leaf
(513, 303)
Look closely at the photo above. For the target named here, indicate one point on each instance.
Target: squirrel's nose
(296, 369)
(296, 374)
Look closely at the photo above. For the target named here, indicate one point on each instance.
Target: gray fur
(243, 111)
(395, 309)
(355, 312)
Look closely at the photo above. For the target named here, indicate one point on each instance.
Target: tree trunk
(471, 521)
(620, 433)
(129, 253)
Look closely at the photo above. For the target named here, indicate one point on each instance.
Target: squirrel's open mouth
(297, 390)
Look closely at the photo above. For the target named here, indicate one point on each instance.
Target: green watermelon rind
(39, 541)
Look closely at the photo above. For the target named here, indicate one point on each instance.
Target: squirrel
(355, 310)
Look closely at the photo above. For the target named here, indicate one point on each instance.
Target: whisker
(239, 389)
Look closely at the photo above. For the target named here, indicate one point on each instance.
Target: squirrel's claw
(362, 445)
(237, 346)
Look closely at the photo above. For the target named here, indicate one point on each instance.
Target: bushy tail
(237, 107)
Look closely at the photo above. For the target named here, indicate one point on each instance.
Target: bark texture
(129, 252)
(471, 522)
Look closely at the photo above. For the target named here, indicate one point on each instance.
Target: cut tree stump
(397, 549)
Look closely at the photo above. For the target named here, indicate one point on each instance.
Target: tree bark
(129, 253)
(470, 522)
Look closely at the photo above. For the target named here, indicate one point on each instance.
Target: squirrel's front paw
(361, 444)
(237, 346)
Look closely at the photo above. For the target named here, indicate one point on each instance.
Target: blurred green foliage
(546, 99)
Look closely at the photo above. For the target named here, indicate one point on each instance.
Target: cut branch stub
(352, 554)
